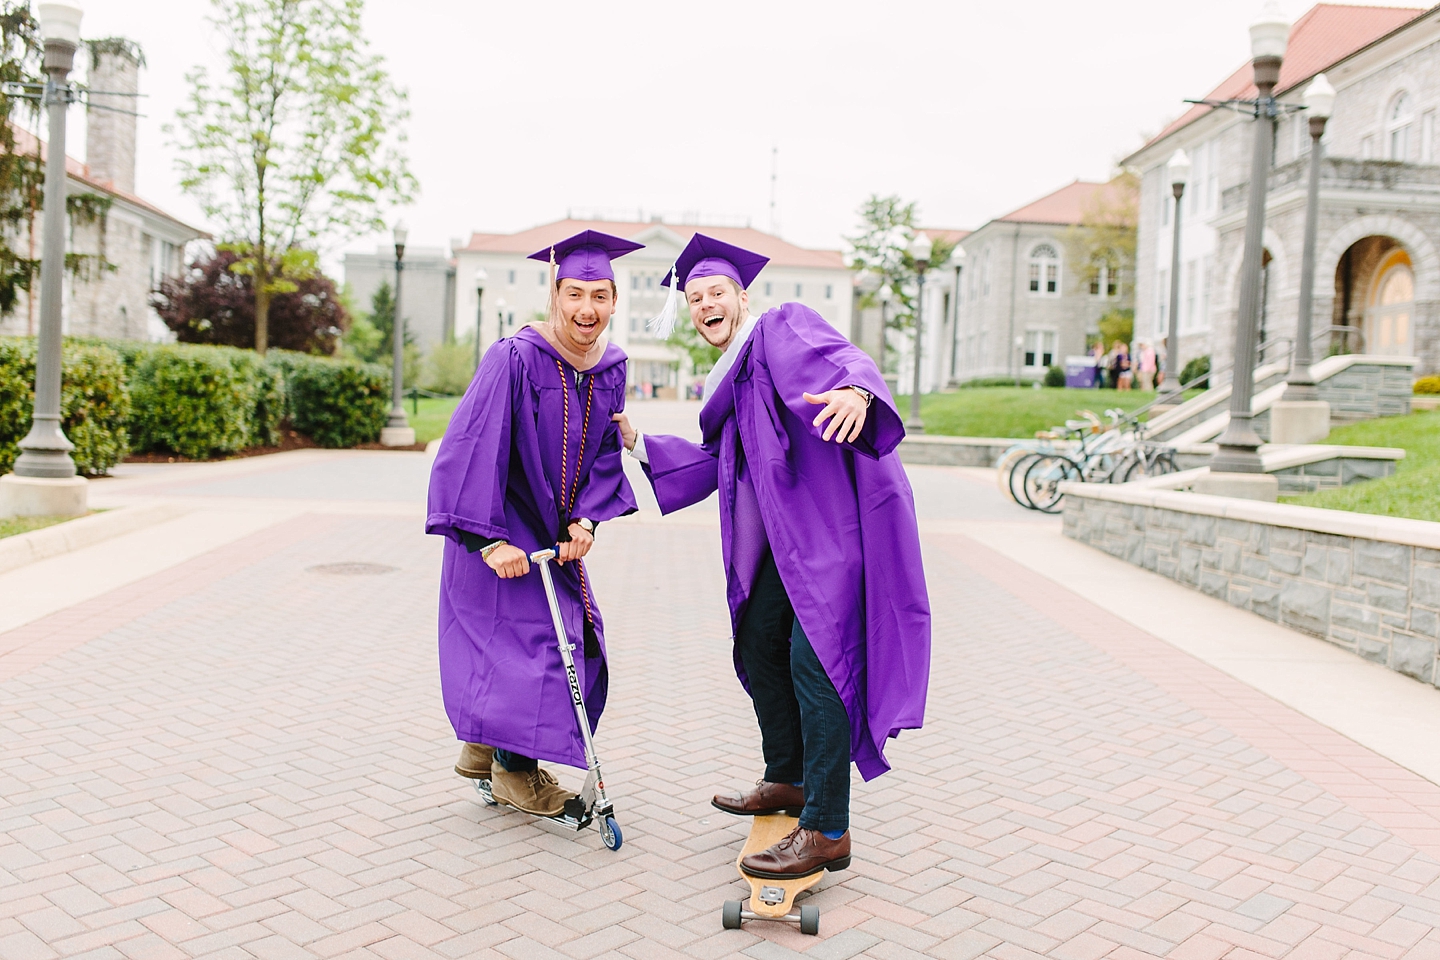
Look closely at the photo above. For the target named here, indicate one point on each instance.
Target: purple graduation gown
(839, 518)
(497, 475)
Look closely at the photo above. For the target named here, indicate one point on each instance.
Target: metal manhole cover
(353, 569)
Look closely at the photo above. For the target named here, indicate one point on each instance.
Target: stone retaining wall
(1346, 578)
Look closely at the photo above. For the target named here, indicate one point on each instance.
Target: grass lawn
(1015, 411)
(10, 526)
(1414, 490)
(433, 418)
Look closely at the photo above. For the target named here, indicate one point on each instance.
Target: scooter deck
(773, 899)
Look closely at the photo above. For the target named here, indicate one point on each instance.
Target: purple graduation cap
(587, 255)
(707, 257)
(704, 257)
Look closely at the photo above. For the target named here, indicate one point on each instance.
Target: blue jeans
(804, 729)
(515, 763)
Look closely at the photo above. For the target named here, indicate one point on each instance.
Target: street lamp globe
(920, 249)
(1319, 98)
(59, 23)
(480, 277)
(1178, 167)
(957, 256)
(400, 234)
(869, 281)
(1269, 34)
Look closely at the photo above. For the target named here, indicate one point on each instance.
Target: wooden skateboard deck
(772, 899)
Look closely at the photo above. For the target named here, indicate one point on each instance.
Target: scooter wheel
(482, 787)
(610, 833)
(730, 915)
(809, 920)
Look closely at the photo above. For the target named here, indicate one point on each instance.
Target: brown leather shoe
(475, 761)
(800, 854)
(767, 798)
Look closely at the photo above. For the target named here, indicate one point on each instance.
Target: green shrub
(337, 403)
(1427, 385)
(1197, 367)
(94, 402)
(450, 367)
(1055, 377)
(196, 401)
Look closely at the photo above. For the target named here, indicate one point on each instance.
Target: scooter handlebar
(549, 553)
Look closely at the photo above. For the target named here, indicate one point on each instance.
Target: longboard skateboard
(772, 899)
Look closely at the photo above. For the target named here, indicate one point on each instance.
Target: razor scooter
(592, 804)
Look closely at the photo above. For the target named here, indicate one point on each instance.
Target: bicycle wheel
(1149, 465)
(1003, 466)
(1015, 482)
(1043, 479)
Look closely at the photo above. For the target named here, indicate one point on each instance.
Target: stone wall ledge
(1415, 533)
(25, 548)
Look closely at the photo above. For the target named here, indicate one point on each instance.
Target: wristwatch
(585, 525)
(866, 395)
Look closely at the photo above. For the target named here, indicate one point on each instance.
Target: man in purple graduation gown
(822, 554)
(531, 458)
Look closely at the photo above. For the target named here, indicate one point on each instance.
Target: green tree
(1105, 235)
(687, 338)
(21, 175)
(297, 144)
(881, 247)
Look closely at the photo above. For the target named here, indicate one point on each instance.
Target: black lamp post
(1239, 445)
(1179, 170)
(44, 480)
(920, 249)
(1319, 102)
(398, 432)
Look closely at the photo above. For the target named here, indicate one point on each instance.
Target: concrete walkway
(210, 745)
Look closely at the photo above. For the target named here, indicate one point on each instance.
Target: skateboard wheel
(810, 920)
(730, 915)
(610, 833)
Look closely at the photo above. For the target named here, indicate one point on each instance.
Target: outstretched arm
(680, 472)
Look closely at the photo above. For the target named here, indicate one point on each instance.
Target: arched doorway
(1392, 304)
(1374, 299)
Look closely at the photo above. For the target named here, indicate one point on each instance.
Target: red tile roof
(26, 143)
(1325, 35)
(781, 253)
(946, 234)
(1064, 207)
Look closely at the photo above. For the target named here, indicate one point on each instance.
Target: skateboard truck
(592, 804)
(772, 899)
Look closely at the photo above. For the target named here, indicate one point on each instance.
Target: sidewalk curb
(26, 548)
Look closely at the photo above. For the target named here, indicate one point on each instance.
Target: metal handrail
(1260, 351)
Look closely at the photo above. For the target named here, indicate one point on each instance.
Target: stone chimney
(110, 143)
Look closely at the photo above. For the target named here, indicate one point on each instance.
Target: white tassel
(663, 323)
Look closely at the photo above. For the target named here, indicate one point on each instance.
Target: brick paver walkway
(242, 757)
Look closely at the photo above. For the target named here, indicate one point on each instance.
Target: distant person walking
(1097, 354)
(1120, 366)
(1145, 365)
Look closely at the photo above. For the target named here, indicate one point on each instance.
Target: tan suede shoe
(536, 792)
(474, 762)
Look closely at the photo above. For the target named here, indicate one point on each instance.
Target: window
(985, 274)
(1044, 270)
(1112, 281)
(650, 282)
(829, 292)
(1397, 127)
(541, 277)
(1387, 316)
(1039, 348)
(1207, 270)
(769, 288)
(1367, 148)
(1427, 137)
(1104, 281)
(512, 278)
(1165, 202)
(634, 281)
(799, 290)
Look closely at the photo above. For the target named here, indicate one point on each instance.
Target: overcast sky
(524, 110)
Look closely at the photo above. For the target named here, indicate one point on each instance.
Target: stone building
(1022, 306)
(1377, 271)
(132, 244)
(515, 289)
(427, 290)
